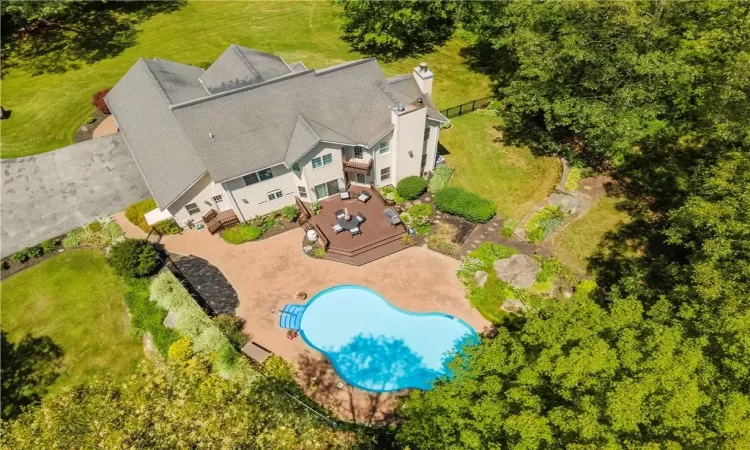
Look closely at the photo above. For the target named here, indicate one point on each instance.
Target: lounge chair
(337, 228)
(360, 218)
(339, 213)
(345, 195)
(363, 197)
(354, 231)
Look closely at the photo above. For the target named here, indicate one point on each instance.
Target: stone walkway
(268, 273)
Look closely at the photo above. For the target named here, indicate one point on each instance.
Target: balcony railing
(358, 166)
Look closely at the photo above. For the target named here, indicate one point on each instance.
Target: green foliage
(489, 252)
(227, 357)
(574, 176)
(4, 265)
(440, 178)
(181, 351)
(26, 254)
(94, 226)
(290, 212)
(241, 233)
(50, 245)
(488, 299)
(146, 317)
(167, 226)
(134, 258)
(418, 217)
(509, 226)
(445, 126)
(411, 187)
(136, 212)
(543, 222)
(319, 252)
(232, 326)
(232, 415)
(394, 29)
(72, 239)
(462, 203)
(390, 193)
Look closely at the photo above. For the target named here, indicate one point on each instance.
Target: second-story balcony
(358, 165)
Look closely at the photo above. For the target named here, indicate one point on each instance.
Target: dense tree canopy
(184, 405)
(391, 29)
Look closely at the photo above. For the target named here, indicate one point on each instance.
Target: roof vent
(423, 66)
(210, 135)
(400, 108)
(420, 100)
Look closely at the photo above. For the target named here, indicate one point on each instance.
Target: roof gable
(240, 66)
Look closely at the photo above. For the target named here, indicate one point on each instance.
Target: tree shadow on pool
(376, 362)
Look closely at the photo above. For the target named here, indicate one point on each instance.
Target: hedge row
(462, 203)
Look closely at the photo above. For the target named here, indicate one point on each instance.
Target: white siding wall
(383, 161)
(253, 200)
(201, 194)
(408, 136)
(313, 177)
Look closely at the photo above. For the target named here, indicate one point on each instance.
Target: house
(251, 133)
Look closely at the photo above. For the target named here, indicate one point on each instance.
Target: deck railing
(304, 213)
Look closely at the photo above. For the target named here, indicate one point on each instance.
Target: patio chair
(354, 231)
(363, 197)
(360, 217)
(337, 228)
(339, 213)
(345, 195)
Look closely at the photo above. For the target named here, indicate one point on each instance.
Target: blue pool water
(378, 347)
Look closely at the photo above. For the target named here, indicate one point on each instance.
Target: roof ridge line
(244, 60)
(329, 128)
(155, 79)
(343, 65)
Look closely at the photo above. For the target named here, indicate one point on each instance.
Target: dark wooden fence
(468, 107)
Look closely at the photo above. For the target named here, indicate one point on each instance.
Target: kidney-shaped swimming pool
(377, 347)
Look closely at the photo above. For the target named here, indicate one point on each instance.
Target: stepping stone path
(407, 205)
(427, 199)
(417, 202)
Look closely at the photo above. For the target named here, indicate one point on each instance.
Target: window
(385, 174)
(360, 178)
(275, 195)
(217, 199)
(384, 148)
(257, 177)
(322, 161)
(302, 191)
(358, 152)
(192, 208)
(295, 167)
(426, 133)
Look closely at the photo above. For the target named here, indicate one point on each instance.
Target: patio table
(348, 224)
(392, 216)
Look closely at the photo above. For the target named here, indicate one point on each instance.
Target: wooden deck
(378, 238)
(217, 221)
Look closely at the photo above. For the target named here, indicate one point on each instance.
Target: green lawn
(510, 176)
(47, 109)
(76, 300)
(580, 240)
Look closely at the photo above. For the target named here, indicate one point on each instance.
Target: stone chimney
(423, 75)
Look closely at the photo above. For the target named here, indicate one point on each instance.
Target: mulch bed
(208, 281)
(463, 227)
(86, 130)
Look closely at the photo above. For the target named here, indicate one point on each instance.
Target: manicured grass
(580, 240)
(510, 176)
(76, 300)
(47, 109)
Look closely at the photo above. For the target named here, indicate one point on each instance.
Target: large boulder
(481, 278)
(519, 270)
(513, 306)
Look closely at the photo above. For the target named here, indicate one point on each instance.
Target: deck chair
(337, 228)
(355, 230)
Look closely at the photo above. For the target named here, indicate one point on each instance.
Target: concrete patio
(268, 273)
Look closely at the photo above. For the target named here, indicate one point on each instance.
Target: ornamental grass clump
(545, 221)
(462, 203)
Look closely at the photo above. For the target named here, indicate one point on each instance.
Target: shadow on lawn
(29, 367)
(88, 32)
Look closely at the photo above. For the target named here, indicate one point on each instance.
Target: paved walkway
(268, 273)
(47, 195)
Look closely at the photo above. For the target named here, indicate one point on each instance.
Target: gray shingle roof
(240, 66)
(177, 131)
(162, 151)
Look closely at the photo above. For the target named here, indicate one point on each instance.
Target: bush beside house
(136, 214)
(411, 187)
(97, 100)
(462, 203)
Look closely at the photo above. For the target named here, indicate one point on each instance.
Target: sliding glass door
(326, 189)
